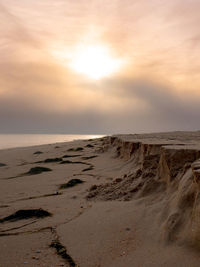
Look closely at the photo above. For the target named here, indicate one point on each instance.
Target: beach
(116, 201)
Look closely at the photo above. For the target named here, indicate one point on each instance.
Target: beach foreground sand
(119, 201)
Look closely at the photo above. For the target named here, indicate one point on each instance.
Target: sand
(119, 201)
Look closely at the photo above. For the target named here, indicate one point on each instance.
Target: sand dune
(119, 201)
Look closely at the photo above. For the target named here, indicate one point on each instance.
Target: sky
(99, 66)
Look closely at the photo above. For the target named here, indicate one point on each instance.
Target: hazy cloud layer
(158, 89)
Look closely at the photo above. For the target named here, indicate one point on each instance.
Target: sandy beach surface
(118, 201)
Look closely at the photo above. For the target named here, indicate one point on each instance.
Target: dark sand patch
(76, 149)
(26, 214)
(37, 153)
(89, 145)
(61, 251)
(2, 165)
(88, 169)
(32, 171)
(50, 160)
(71, 156)
(37, 170)
(71, 183)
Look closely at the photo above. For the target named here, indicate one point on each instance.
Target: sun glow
(94, 61)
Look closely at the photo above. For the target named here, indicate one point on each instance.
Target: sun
(94, 61)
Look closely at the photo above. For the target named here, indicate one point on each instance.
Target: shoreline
(17, 140)
(124, 200)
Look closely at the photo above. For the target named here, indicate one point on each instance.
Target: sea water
(23, 140)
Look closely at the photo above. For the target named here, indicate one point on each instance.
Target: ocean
(23, 140)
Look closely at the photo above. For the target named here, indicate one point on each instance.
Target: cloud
(157, 91)
(164, 105)
(13, 28)
(145, 106)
